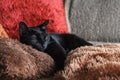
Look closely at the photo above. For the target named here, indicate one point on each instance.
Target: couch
(96, 21)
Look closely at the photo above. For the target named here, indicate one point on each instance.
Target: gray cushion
(97, 20)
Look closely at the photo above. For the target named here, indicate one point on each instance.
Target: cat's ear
(23, 29)
(43, 26)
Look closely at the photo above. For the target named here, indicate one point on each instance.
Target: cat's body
(56, 45)
(68, 41)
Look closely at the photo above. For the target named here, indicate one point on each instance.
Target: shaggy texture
(32, 12)
(2, 32)
(21, 62)
(101, 62)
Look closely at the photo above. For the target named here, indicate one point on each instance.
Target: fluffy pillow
(2, 32)
(101, 62)
(21, 62)
(33, 12)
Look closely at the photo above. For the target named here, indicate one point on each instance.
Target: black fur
(56, 45)
(34, 36)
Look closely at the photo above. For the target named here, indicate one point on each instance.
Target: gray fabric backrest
(96, 20)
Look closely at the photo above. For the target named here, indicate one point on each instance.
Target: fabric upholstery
(94, 20)
(32, 12)
(2, 32)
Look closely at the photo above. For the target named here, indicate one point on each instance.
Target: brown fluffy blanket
(101, 62)
(21, 62)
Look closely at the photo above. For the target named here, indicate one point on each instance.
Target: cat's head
(34, 36)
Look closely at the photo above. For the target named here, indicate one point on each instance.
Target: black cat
(56, 45)
(34, 36)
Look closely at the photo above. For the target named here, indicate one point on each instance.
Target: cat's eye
(31, 32)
